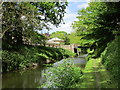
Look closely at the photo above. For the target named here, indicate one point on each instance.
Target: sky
(70, 15)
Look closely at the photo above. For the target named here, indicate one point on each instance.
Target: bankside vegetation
(21, 42)
(27, 55)
(65, 75)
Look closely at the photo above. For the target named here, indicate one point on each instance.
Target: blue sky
(70, 15)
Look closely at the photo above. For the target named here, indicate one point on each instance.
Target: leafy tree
(74, 39)
(97, 24)
(21, 19)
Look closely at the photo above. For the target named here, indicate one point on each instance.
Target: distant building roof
(52, 42)
(56, 40)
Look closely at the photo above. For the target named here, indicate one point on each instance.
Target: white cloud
(70, 16)
(63, 27)
(67, 10)
(84, 5)
(78, 0)
(89, 0)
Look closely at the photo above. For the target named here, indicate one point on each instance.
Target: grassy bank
(15, 60)
(96, 76)
(111, 58)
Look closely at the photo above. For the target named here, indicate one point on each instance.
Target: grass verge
(96, 76)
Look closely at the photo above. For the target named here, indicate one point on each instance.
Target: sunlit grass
(89, 78)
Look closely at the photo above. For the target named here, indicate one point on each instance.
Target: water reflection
(33, 78)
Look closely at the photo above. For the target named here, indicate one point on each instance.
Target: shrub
(69, 53)
(11, 61)
(63, 76)
(111, 58)
(14, 60)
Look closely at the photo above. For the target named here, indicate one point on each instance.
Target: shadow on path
(96, 76)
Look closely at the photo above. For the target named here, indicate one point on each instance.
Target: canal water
(33, 78)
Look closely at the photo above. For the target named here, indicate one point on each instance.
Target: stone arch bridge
(71, 47)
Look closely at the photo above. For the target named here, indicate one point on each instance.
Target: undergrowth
(14, 60)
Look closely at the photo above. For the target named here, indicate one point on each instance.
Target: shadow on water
(33, 78)
(30, 78)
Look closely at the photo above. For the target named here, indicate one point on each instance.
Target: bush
(11, 61)
(14, 60)
(111, 58)
(63, 76)
(69, 53)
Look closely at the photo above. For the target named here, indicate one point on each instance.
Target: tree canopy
(21, 19)
(98, 24)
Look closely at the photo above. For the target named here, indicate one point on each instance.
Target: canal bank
(96, 76)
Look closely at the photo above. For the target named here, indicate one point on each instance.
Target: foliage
(68, 53)
(110, 58)
(62, 35)
(26, 55)
(11, 61)
(75, 40)
(96, 25)
(99, 27)
(22, 20)
(63, 76)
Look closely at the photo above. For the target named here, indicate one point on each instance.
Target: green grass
(96, 76)
(88, 77)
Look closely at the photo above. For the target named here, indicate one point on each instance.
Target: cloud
(63, 27)
(84, 5)
(78, 0)
(70, 16)
(89, 0)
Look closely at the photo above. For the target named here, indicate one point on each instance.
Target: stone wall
(69, 47)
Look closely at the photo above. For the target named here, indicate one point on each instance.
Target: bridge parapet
(69, 47)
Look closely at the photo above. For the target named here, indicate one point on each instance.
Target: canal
(33, 78)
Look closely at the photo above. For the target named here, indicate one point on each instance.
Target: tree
(74, 39)
(100, 20)
(21, 19)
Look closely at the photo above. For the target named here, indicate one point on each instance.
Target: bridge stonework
(69, 47)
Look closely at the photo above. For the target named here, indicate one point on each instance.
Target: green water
(31, 78)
